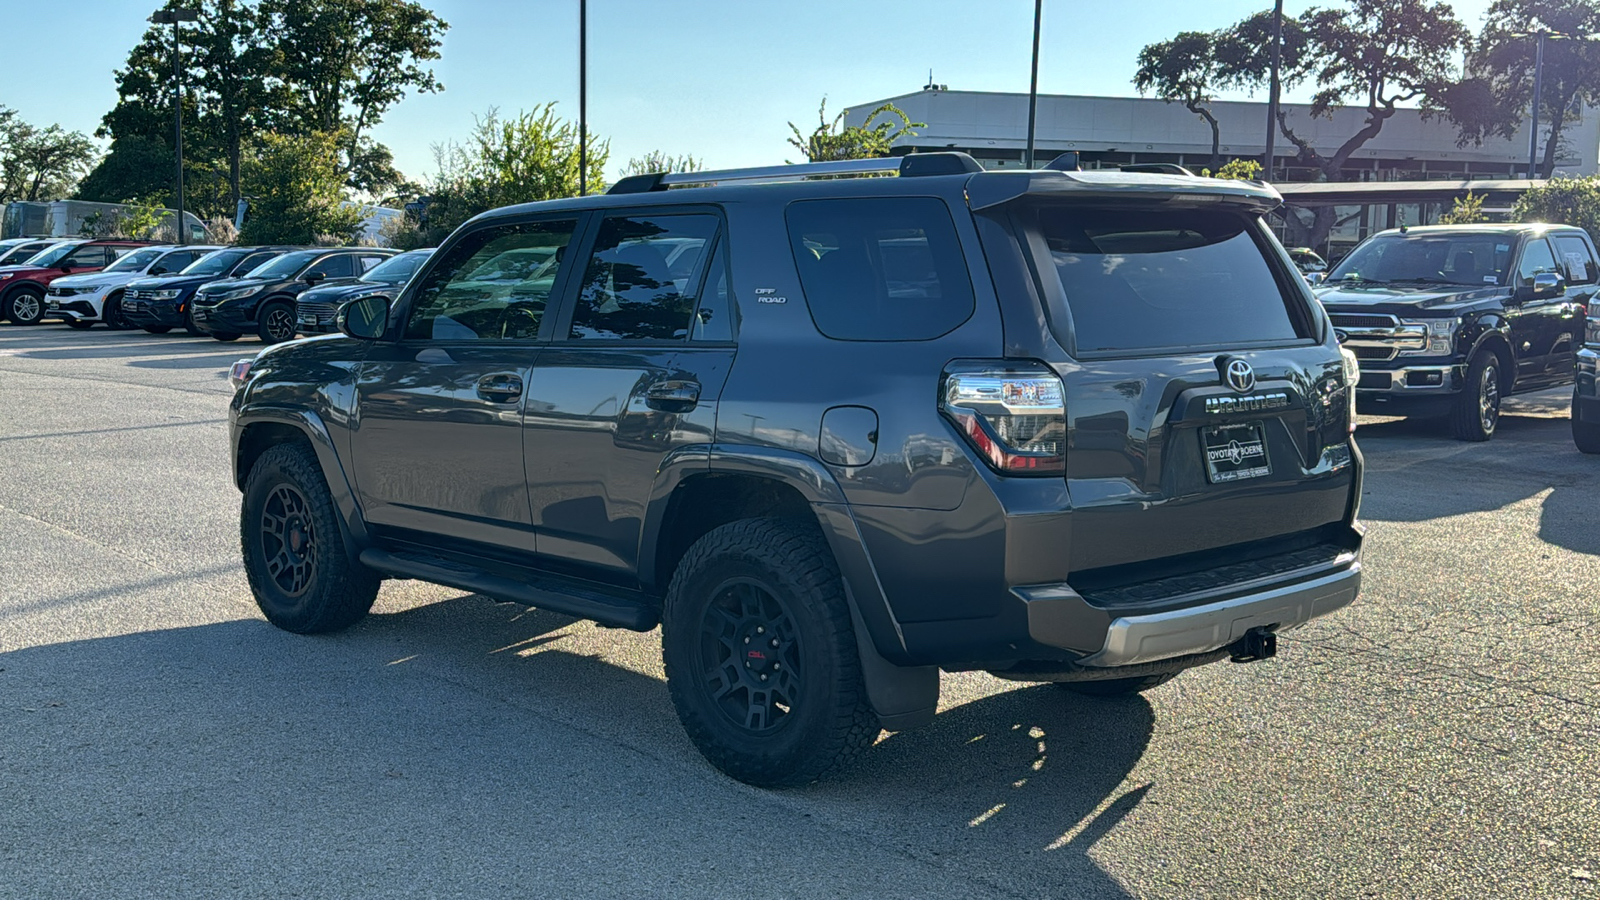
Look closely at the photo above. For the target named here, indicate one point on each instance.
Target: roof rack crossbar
(942, 163)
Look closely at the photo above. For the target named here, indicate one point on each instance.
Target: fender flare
(352, 526)
(903, 696)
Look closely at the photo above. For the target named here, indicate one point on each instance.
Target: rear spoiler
(991, 189)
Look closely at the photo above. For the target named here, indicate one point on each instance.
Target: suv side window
(492, 284)
(1578, 259)
(86, 256)
(886, 269)
(251, 261)
(643, 276)
(712, 320)
(339, 266)
(367, 262)
(1536, 260)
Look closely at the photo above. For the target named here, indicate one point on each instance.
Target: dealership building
(1416, 162)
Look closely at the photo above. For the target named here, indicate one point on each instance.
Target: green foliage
(136, 166)
(1184, 70)
(519, 159)
(139, 220)
(296, 188)
(1467, 210)
(1237, 170)
(1499, 96)
(1564, 201)
(835, 140)
(39, 163)
(658, 161)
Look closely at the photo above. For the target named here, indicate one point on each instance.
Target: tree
(296, 187)
(1184, 70)
(136, 166)
(347, 62)
(1566, 201)
(40, 163)
(1466, 210)
(658, 161)
(871, 139)
(518, 159)
(1237, 170)
(1499, 93)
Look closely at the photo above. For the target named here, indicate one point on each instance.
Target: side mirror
(160, 270)
(66, 267)
(314, 277)
(365, 318)
(1315, 278)
(1540, 287)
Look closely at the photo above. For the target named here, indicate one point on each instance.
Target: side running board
(574, 599)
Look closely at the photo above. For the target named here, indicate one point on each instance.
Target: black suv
(161, 304)
(263, 302)
(314, 310)
(1448, 319)
(833, 435)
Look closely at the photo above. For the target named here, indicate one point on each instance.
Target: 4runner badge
(1217, 406)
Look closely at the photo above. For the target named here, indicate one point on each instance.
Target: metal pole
(1272, 94)
(1033, 84)
(1538, 89)
(583, 97)
(177, 107)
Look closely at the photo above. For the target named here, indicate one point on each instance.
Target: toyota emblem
(1240, 376)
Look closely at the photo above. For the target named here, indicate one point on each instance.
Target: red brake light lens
(1013, 414)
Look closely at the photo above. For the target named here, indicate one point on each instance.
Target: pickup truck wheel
(23, 306)
(1117, 687)
(294, 557)
(1584, 434)
(1477, 409)
(761, 656)
(277, 323)
(112, 314)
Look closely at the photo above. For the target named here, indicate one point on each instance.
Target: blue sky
(716, 78)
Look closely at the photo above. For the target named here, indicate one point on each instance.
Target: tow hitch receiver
(1257, 644)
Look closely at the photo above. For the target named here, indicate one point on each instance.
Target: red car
(22, 287)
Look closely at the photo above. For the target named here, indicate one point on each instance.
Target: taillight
(1013, 414)
(1352, 378)
(239, 372)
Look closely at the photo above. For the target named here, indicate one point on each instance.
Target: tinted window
(367, 262)
(86, 256)
(1577, 259)
(254, 260)
(1536, 260)
(711, 319)
(135, 261)
(492, 284)
(398, 269)
(1136, 280)
(1467, 258)
(641, 279)
(285, 265)
(342, 266)
(880, 269)
(52, 256)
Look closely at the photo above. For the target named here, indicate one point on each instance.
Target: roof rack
(909, 166)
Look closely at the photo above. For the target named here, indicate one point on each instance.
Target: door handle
(500, 388)
(672, 396)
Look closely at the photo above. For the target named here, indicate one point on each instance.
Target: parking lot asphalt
(1440, 738)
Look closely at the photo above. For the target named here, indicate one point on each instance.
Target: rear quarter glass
(1137, 281)
(880, 269)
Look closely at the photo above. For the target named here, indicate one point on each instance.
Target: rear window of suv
(880, 269)
(1146, 280)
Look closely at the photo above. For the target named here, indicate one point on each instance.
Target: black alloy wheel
(1477, 408)
(277, 323)
(288, 540)
(112, 314)
(749, 656)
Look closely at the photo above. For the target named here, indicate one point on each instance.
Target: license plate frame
(1235, 452)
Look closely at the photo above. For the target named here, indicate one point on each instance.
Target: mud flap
(904, 697)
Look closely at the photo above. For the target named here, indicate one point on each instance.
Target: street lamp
(1542, 35)
(1273, 93)
(1033, 84)
(583, 97)
(174, 16)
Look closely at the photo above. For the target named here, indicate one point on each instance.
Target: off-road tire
(157, 329)
(226, 336)
(111, 314)
(800, 597)
(1117, 687)
(8, 307)
(1476, 411)
(308, 584)
(1586, 435)
(275, 322)
(79, 324)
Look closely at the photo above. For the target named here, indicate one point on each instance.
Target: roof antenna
(929, 86)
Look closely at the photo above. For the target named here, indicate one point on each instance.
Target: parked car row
(224, 292)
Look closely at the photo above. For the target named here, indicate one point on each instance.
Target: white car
(83, 300)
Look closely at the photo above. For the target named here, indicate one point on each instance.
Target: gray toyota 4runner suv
(834, 434)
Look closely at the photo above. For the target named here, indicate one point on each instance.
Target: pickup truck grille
(1378, 338)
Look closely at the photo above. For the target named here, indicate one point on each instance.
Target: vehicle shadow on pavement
(475, 728)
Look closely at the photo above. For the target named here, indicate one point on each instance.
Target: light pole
(1033, 85)
(1541, 36)
(583, 97)
(174, 16)
(1272, 95)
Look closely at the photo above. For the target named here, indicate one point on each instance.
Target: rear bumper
(1136, 639)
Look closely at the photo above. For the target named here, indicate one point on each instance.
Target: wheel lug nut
(776, 667)
(761, 629)
(763, 678)
(747, 640)
(774, 643)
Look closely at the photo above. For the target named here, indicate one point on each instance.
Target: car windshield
(135, 261)
(399, 269)
(52, 255)
(216, 262)
(1465, 258)
(285, 265)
